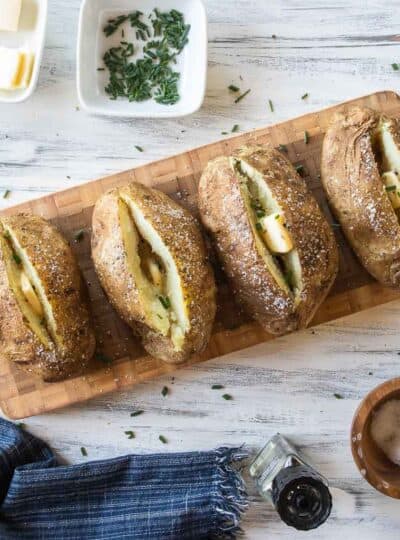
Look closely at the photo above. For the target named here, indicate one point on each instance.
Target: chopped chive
(235, 128)
(165, 391)
(17, 258)
(163, 439)
(258, 226)
(390, 188)
(224, 133)
(21, 425)
(300, 169)
(395, 67)
(6, 194)
(271, 105)
(123, 33)
(273, 36)
(239, 98)
(260, 213)
(233, 88)
(78, 236)
(217, 387)
(277, 216)
(306, 137)
(338, 396)
(138, 148)
(305, 96)
(282, 148)
(103, 358)
(165, 301)
(83, 451)
(100, 69)
(130, 434)
(228, 397)
(137, 413)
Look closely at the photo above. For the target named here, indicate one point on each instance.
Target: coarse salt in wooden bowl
(374, 465)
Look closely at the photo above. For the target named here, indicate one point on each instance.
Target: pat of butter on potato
(10, 11)
(275, 234)
(392, 185)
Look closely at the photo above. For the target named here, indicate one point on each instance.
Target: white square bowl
(92, 44)
(31, 37)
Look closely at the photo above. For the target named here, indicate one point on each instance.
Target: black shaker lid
(301, 497)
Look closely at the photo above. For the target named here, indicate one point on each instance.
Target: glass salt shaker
(298, 492)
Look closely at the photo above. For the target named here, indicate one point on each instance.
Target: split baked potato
(360, 173)
(44, 319)
(151, 261)
(274, 243)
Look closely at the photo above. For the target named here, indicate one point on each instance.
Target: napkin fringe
(231, 498)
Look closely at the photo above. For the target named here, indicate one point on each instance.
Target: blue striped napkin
(193, 495)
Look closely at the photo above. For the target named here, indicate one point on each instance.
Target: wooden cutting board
(23, 395)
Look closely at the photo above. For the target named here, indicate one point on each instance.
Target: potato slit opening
(161, 296)
(17, 263)
(260, 203)
(387, 158)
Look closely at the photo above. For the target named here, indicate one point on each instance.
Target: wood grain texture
(333, 50)
(22, 394)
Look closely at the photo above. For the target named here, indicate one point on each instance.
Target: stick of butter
(10, 11)
(16, 68)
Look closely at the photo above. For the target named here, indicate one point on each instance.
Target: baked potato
(151, 261)
(44, 320)
(360, 173)
(274, 243)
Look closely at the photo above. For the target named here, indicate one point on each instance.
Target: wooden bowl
(373, 464)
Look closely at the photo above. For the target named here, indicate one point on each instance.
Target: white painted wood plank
(333, 50)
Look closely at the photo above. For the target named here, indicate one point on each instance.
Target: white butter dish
(30, 37)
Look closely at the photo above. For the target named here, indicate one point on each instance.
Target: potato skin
(180, 232)
(58, 270)
(224, 214)
(356, 193)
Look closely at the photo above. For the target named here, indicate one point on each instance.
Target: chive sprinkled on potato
(130, 434)
(165, 391)
(233, 88)
(16, 258)
(165, 301)
(162, 439)
(271, 105)
(227, 397)
(305, 96)
(395, 67)
(6, 194)
(217, 387)
(83, 451)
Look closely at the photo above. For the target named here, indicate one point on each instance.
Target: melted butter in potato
(273, 239)
(155, 274)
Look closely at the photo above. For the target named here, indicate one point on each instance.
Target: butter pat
(275, 234)
(10, 11)
(15, 68)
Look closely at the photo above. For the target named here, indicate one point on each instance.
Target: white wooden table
(332, 50)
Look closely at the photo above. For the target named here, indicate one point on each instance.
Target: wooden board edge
(334, 309)
(86, 185)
